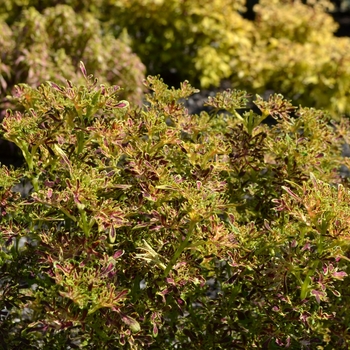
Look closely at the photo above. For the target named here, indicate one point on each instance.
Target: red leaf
(118, 254)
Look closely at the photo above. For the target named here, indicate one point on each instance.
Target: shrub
(199, 41)
(47, 46)
(134, 212)
(289, 47)
(297, 54)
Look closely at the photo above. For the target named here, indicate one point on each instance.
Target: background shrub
(288, 47)
(37, 47)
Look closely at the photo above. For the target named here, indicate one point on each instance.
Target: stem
(237, 115)
(27, 156)
(35, 183)
(80, 138)
(64, 211)
(85, 227)
(180, 249)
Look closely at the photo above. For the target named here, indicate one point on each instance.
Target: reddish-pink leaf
(170, 281)
(121, 295)
(108, 269)
(120, 105)
(112, 234)
(56, 87)
(336, 293)
(155, 331)
(118, 254)
(132, 323)
(290, 192)
(83, 69)
(339, 275)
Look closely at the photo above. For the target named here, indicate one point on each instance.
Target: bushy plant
(136, 213)
(296, 53)
(36, 47)
(199, 41)
(289, 47)
(11, 9)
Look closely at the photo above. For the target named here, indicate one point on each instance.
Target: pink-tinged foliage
(47, 45)
(148, 228)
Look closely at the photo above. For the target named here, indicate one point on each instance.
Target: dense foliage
(136, 214)
(37, 47)
(145, 226)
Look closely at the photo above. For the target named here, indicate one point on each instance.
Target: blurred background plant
(284, 46)
(288, 47)
(48, 45)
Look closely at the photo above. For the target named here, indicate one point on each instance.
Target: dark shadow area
(343, 20)
(10, 154)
